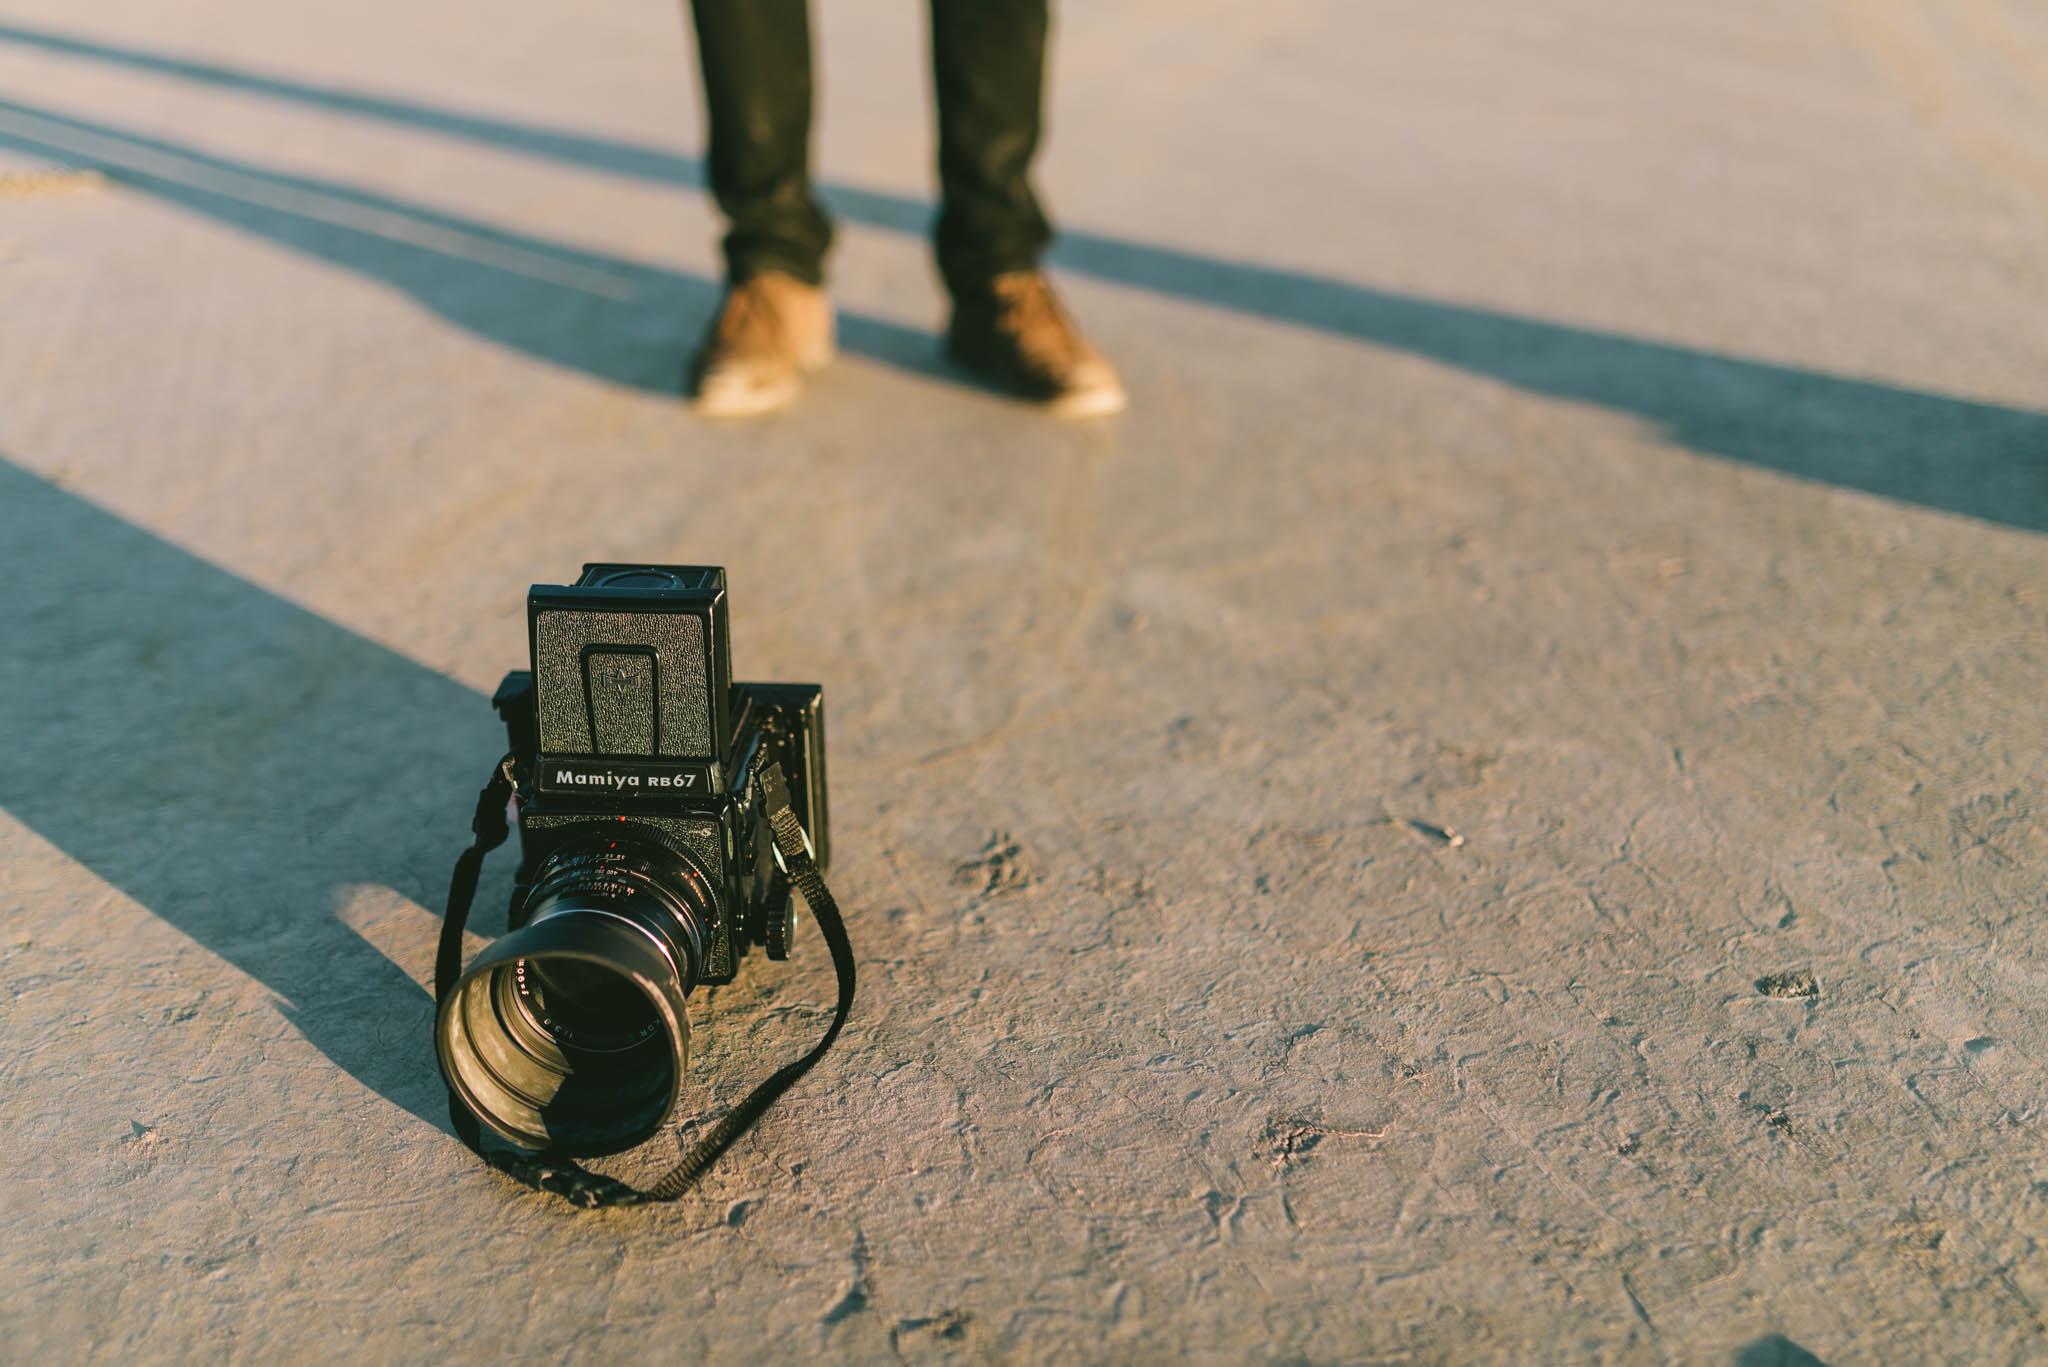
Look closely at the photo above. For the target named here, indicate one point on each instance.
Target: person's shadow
(235, 764)
(623, 321)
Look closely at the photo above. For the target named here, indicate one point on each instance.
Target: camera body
(629, 734)
(648, 861)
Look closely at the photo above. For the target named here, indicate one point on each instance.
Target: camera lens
(584, 1005)
(569, 1034)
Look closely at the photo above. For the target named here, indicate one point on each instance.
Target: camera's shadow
(231, 762)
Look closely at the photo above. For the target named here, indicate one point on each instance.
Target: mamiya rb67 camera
(647, 865)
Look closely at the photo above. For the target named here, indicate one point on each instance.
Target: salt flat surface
(1495, 817)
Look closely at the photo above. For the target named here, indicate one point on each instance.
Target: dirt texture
(1497, 817)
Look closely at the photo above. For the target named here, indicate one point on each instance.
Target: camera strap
(578, 1185)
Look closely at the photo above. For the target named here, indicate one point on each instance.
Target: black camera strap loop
(578, 1185)
(488, 826)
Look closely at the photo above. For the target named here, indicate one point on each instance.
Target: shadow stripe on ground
(1983, 460)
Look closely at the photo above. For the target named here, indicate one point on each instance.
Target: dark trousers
(989, 57)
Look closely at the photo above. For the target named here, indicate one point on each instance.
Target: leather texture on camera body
(639, 682)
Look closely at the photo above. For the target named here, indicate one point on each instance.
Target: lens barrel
(569, 1034)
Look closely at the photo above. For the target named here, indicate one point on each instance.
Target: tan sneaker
(1016, 335)
(771, 331)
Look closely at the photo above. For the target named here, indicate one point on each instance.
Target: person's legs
(1007, 326)
(756, 58)
(988, 57)
(774, 324)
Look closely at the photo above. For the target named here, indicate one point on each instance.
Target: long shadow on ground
(618, 320)
(1984, 460)
(232, 762)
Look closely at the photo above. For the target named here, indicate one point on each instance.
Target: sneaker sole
(1102, 398)
(742, 400)
(733, 397)
(1101, 401)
